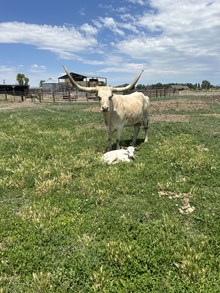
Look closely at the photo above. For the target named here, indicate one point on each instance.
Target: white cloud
(178, 17)
(7, 74)
(140, 2)
(125, 67)
(82, 12)
(110, 23)
(106, 6)
(88, 29)
(110, 8)
(58, 39)
(6, 69)
(118, 28)
(178, 38)
(37, 68)
(78, 58)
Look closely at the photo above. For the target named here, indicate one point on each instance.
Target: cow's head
(104, 93)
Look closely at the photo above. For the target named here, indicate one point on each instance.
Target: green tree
(22, 79)
(205, 85)
(191, 86)
(141, 86)
(41, 83)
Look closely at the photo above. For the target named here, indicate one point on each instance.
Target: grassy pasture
(70, 223)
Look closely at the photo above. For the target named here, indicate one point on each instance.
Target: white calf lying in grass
(123, 155)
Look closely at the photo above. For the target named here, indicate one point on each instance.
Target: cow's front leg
(109, 140)
(118, 139)
(136, 131)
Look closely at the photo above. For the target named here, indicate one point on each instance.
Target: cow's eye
(110, 97)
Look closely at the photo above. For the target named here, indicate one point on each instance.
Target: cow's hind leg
(146, 126)
(136, 131)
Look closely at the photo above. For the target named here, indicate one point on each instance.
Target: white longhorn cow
(120, 110)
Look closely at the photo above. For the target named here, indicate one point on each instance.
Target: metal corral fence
(57, 96)
(74, 95)
(13, 96)
(158, 92)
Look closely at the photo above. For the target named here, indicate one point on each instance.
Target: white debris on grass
(186, 207)
(123, 155)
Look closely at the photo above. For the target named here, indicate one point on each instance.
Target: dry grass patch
(211, 115)
(92, 109)
(170, 118)
(41, 215)
(18, 105)
(178, 105)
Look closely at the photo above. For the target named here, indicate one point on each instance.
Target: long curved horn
(79, 87)
(128, 87)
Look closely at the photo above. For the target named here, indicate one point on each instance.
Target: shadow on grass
(127, 142)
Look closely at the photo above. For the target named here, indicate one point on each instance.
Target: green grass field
(70, 223)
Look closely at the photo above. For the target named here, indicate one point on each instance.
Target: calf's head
(105, 93)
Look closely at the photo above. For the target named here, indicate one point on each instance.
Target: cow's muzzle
(105, 109)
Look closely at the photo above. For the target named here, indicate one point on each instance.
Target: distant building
(50, 85)
(14, 89)
(180, 87)
(84, 80)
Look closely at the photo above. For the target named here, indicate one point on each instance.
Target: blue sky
(173, 41)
